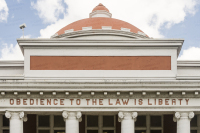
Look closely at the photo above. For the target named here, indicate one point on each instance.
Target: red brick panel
(100, 63)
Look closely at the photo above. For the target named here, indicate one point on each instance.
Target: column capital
(183, 115)
(127, 115)
(72, 115)
(16, 115)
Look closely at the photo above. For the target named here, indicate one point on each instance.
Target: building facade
(100, 75)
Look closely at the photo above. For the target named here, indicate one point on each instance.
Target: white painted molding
(41, 93)
(15, 93)
(126, 29)
(79, 93)
(131, 93)
(188, 63)
(107, 27)
(28, 93)
(196, 93)
(141, 33)
(7, 63)
(56, 34)
(144, 93)
(183, 93)
(66, 93)
(92, 93)
(100, 13)
(69, 31)
(54, 93)
(105, 93)
(87, 28)
(3, 93)
(118, 93)
(157, 93)
(171, 93)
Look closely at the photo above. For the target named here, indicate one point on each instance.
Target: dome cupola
(100, 11)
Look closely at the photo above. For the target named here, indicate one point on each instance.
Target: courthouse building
(100, 75)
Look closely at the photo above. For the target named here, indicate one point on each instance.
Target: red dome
(97, 23)
(100, 7)
(99, 19)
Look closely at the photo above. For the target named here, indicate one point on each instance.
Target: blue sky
(160, 19)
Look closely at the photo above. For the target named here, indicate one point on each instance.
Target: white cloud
(192, 53)
(12, 52)
(148, 15)
(49, 10)
(3, 11)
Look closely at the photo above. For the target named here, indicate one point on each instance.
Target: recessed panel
(100, 63)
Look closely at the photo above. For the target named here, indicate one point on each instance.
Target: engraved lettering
(140, 101)
(180, 100)
(18, 101)
(11, 101)
(125, 102)
(173, 101)
(31, 101)
(160, 101)
(94, 101)
(55, 102)
(166, 101)
(118, 102)
(149, 102)
(88, 101)
(187, 100)
(24, 101)
(41, 101)
(78, 101)
(48, 101)
(100, 101)
(109, 102)
(71, 101)
(62, 102)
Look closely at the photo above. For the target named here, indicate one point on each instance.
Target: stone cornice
(8, 63)
(177, 43)
(185, 63)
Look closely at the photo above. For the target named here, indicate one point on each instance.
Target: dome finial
(100, 7)
(100, 11)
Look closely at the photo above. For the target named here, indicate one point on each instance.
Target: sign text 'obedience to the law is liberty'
(101, 102)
